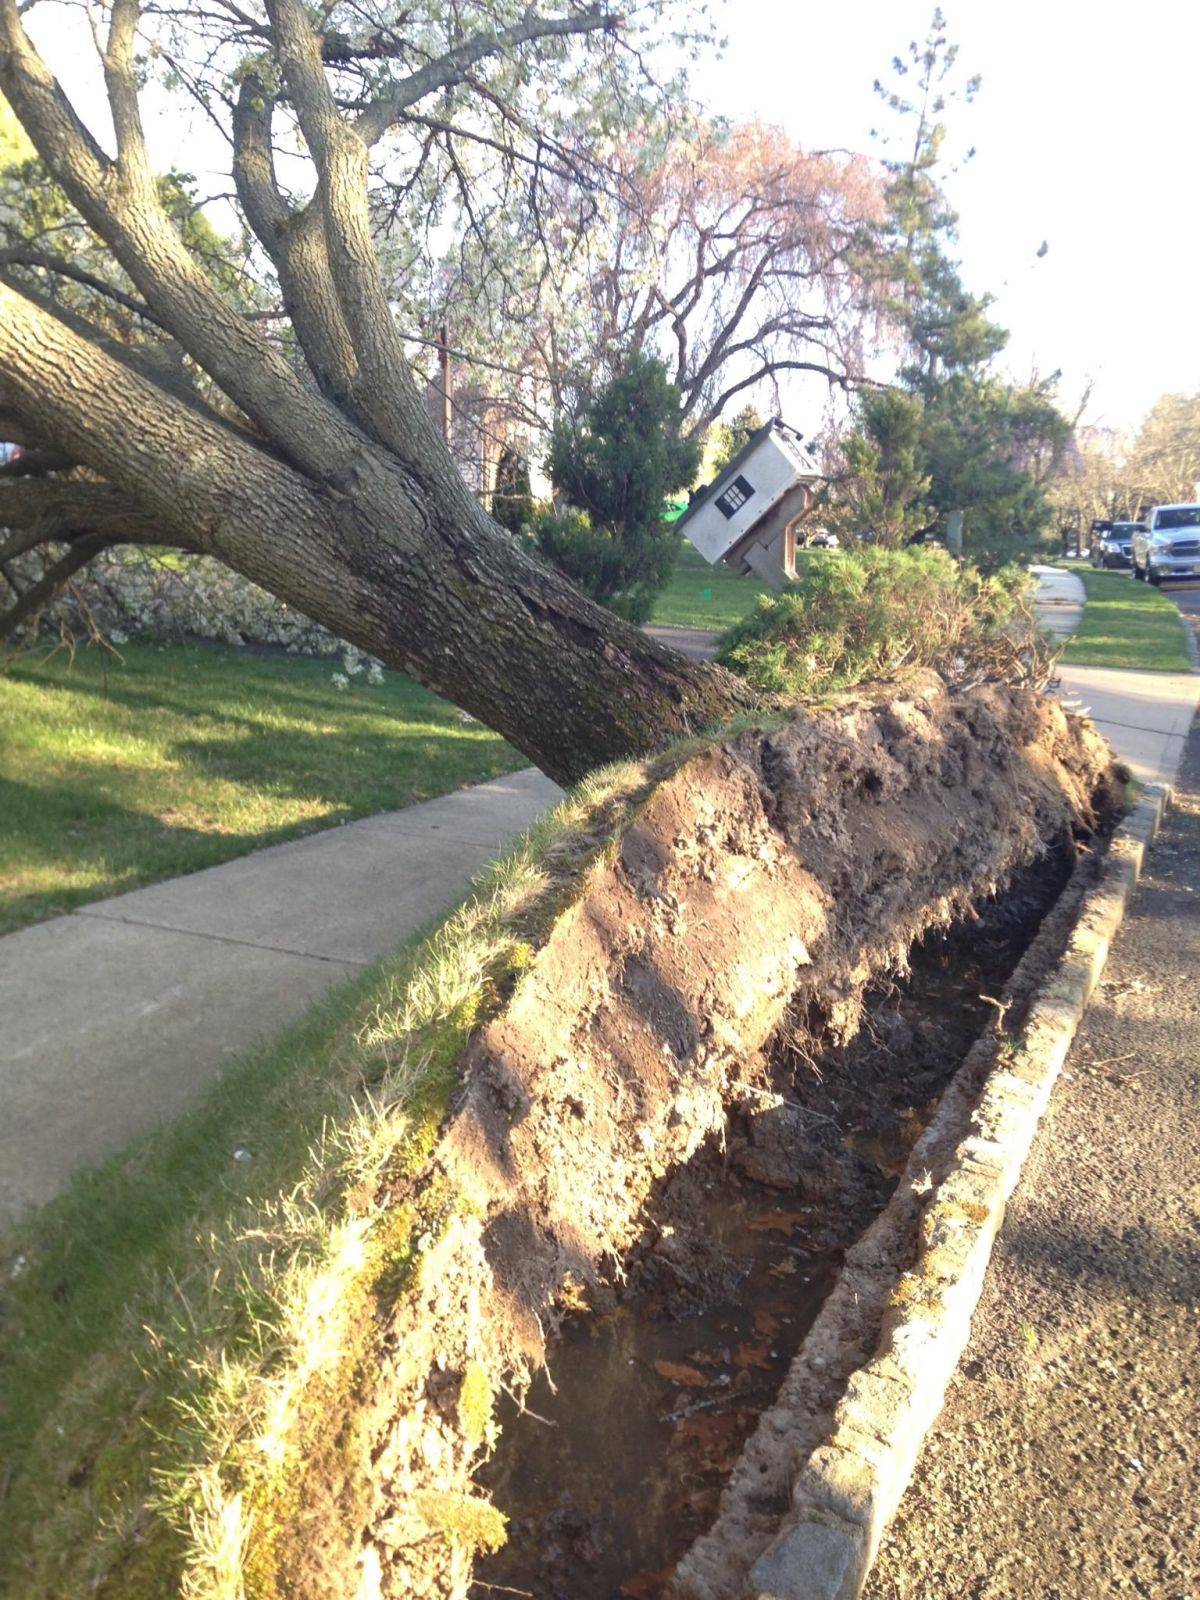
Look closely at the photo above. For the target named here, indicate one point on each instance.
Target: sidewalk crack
(219, 938)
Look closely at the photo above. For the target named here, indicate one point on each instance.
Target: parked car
(1113, 545)
(1168, 545)
(823, 540)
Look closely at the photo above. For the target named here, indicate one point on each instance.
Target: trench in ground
(616, 1460)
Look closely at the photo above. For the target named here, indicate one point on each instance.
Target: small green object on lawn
(120, 771)
(704, 596)
(1126, 624)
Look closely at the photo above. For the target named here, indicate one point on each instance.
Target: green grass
(77, 1267)
(119, 772)
(172, 1309)
(1126, 624)
(700, 596)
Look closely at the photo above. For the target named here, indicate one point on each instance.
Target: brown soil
(618, 1461)
(770, 879)
(1066, 1462)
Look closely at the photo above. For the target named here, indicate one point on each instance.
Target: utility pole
(954, 527)
(444, 371)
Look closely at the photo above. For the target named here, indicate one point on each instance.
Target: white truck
(1167, 545)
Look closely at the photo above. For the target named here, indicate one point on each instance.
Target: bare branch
(24, 256)
(453, 67)
(31, 600)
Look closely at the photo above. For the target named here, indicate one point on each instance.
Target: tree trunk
(409, 569)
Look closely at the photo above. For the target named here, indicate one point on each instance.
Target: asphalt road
(1066, 1463)
(1187, 597)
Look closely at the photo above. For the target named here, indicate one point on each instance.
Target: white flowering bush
(164, 596)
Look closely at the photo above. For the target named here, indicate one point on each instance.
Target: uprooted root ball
(771, 871)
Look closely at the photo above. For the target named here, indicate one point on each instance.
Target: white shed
(747, 516)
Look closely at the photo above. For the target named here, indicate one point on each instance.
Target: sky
(1086, 138)
(1086, 135)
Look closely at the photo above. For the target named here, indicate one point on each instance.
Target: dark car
(1112, 545)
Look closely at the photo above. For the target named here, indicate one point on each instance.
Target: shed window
(733, 498)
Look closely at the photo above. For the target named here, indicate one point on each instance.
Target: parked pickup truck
(1168, 547)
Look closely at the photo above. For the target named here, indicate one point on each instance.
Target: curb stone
(847, 1490)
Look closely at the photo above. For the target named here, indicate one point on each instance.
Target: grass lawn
(700, 596)
(92, 1263)
(116, 773)
(1126, 624)
(175, 1305)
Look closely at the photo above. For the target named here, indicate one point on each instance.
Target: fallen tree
(314, 468)
(311, 1425)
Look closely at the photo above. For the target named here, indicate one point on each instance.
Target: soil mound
(774, 874)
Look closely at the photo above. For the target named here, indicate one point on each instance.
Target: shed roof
(806, 467)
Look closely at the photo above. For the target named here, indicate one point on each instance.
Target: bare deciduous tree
(729, 252)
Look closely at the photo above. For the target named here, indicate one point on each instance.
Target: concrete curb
(1191, 639)
(847, 1489)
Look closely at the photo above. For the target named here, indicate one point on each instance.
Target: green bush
(627, 574)
(613, 469)
(868, 612)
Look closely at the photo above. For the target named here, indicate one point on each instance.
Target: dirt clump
(620, 1460)
(769, 880)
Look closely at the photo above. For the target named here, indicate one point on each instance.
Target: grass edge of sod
(1126, 624)
(197, 1342)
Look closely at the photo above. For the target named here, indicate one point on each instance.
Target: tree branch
(54, 577)
(451, 68)
(130, 219)
(199, 479)
(46, 510)
(768, 369)
(161, 365)
(384, 396)
(121, 82)
(24, 256)
(295, 242)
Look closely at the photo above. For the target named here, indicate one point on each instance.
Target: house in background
(483, 425)
(747, 516)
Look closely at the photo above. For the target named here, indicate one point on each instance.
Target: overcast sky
(1087, 136)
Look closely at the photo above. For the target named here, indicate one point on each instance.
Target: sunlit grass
(1126, 624)
(700, 596)
(120, 772)
(180, 1325)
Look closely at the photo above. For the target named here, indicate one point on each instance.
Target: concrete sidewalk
(1145, 716)
(119, 1015)
(1059, 600)
(698, 644)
